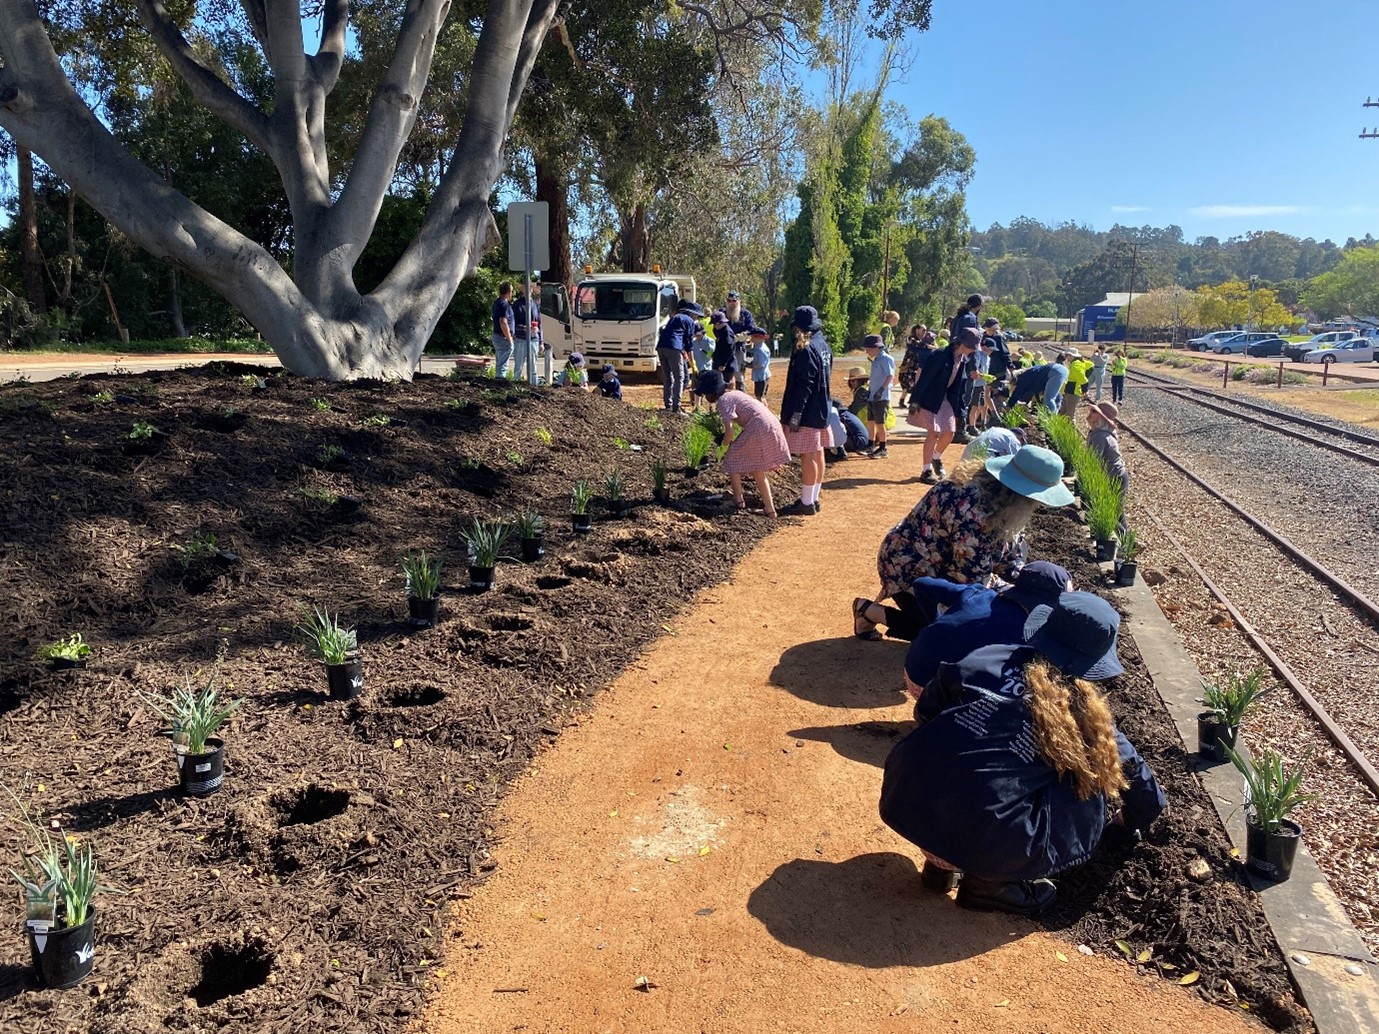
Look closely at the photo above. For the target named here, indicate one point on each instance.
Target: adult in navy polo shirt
(503, 324)
(976, 616)
(673, 345)
(740, 322)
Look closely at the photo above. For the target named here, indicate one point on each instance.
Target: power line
(1369, 134)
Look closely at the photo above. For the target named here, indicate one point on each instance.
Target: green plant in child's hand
(193, 714)
(658, 474)
(73, 648)
(422, 575)
(326, 639)
(1015, 418)
(698, 442)
(141, 431)
(1235, 698)
(1273, 789)
(613, 487)
(580, 495)
(530, 524)
(485, 540)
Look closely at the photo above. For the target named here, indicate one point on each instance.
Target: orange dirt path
(711, 825)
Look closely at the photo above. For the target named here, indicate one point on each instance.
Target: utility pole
(886, 275)
(1369, 134)
(1253, 280)
(1130, 300)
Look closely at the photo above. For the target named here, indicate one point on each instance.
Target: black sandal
(859, 613)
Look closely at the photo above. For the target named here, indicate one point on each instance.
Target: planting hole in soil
(311, 805)
(229, 970)
(509, 623)
(417, 696)
(551, 581)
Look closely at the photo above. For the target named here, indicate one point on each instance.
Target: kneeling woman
(753, 436)
(1017, 768)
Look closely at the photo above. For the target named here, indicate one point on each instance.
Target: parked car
(1204, 343)
(1237, 343)
(1270, 346)
(1356, 350)
(1296, 351)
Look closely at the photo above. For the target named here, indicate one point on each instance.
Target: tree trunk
(30, 256)
(636, 245)
(179, 326)
(553, 187)
(69, 261)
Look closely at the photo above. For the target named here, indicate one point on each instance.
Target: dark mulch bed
(1141, 894)
(309, 892)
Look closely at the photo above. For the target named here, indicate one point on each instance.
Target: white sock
(810, 493)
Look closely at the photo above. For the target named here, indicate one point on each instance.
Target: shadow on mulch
(843, 672)
(15, 980)
(867, 742)
(869, 911)
(104, 811)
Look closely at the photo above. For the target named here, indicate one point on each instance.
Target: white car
(1356, 350)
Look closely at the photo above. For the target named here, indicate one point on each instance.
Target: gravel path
(1334, 652)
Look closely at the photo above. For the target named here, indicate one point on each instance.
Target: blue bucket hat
(1078, 634)
(1033, 472)
(693, 308)
(1039, 583)
(710, 383)
(807, 318)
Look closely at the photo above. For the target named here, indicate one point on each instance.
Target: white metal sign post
(529, 248)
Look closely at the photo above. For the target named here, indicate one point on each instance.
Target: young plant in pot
(615, 491)
(143, 439)
(1273, 791)
(1101, 494)
(531, 530)
(194, 715)
(338, 649)
(1127, 566)
(698, 443)
(202, 560)
(1227, 705)
(423, 579)
(59, 882)
(65, 653)
(485, 541)
(580, 496)
(659, 491)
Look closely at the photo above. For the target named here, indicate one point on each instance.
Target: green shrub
(698, 443)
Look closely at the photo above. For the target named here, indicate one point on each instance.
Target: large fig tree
(316, 320)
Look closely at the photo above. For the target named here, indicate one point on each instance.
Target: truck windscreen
(615, 301)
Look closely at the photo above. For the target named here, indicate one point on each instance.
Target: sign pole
(527, 262)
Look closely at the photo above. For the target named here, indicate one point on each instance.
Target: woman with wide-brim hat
(804, 408)
(1017, 770)
(753, 440)
(964, 530)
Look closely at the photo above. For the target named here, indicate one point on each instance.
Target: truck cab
(613, 318)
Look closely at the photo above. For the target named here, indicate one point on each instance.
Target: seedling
(422, 575)
(658, 474)
(1236, 698)
(142, 431)
(251, 381)
(1015, 418)
(456, 404)
(653, 423)
(101, 397)
(376, 420)
(1129, 545)
(543, 436)
(320, 405)
(485, 540)
(613, 487)
(193, 714)
(575, 375)
(329, 454)
(622, 444)
(320, 495)
(1273, 789)
(73, 649)
(470, 463)
(198, 547)
(698, 443)
(516, 458)
(580, 495)
(530, 524)
(326, 639)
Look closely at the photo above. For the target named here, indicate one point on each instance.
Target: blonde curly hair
(1074, 730)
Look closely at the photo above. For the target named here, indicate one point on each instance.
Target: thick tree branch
(538, 24)
(209, 89)
(283, 43)
(330, 56)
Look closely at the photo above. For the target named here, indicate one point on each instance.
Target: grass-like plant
(485, 540)
(529, 523)
(543, 436)
(422, 576)
(658, 474)
(1273, 788)
(320, 495)
(1100, 491)
(376, 420)
(194, 714)
(516, 458)
(1129, 545)
(1232, 699)
(580, 495)
(1015, 418)
(142, 431)
(698, 442)
(101, 397)
(59, 877)
(326, 639)
(199, 547)
(614, 489)
(320, 405)
(73, 648)
(329, 454)
(652, 423)
(710, 421)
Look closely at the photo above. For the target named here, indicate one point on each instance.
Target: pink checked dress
(760, 444)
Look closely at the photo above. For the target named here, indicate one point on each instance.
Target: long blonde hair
(1074, 730)
(1007, 512)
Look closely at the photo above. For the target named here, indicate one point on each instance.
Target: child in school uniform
(574, 375)
(761, 362)
(609, 385)
(858, 384)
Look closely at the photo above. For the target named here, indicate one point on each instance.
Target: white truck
(613, 317)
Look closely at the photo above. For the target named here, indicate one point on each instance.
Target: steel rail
(1368, 773)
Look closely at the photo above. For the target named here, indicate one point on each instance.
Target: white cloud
(1127, 209)
(1244, 211)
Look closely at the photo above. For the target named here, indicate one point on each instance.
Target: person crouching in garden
(936, 404)
(1102, 418)
(1031, 768)
(804, 410)
(753, 440)
(963, 530)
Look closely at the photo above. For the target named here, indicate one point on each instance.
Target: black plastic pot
(533, 549)
(1105, 550)
(1126, 571)
(480, 578)
(1271, 854)
(423, 613)
(62, 958)
(200, 775)
(582, 523)
(1214, 735)
(661, 495)
(65, 663)
(345, 681)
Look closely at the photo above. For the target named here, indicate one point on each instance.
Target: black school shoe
(1023, 898)
(798, 508)
(939, 880)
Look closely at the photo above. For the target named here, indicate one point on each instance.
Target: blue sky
(1221, 116)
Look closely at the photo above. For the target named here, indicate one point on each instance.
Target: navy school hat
(710, 383)
(807, 318)
(1078, 634)
(1038, 583)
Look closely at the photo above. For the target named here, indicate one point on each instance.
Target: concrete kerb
(1326, 956)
